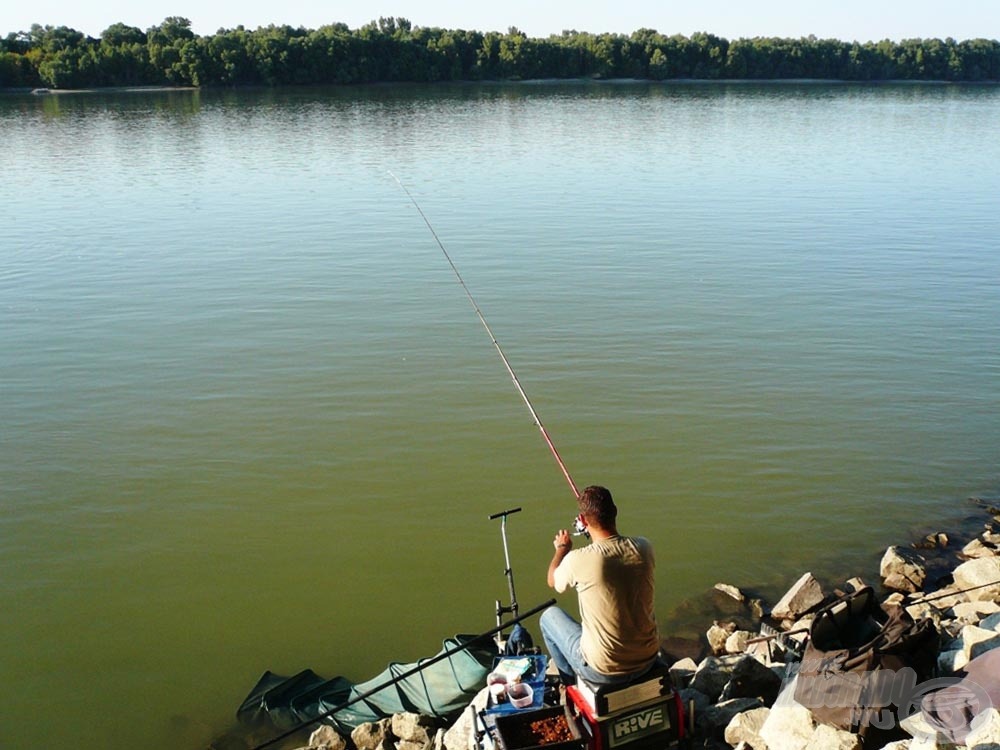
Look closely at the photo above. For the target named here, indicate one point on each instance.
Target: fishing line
(496, 344)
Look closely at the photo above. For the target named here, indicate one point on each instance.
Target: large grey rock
(830, 738)
(977, 640)
(977, 548)
(714, 719)
(985, 731)
(981, 577)
(371, 734)
(745, 727)
(752, 679)
(712, 675)
(970, 613)
(804, 595)
(925, 735)
(718, 634)
(327, 738)
(991, 622)
(731, 591)
(932, 541)
(788, 728)
(949, 662)
(789, 725)
(896, 599)
(462, 734)
(902, 569)
(737, 642)
(853, 585)
(681, 672)
(413, 727)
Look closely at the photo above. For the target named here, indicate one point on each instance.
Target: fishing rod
(946, 594)
(924, 600)
(496, 344)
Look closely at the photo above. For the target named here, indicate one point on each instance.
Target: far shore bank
(42, 91)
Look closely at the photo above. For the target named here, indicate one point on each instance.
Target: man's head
(597, 507)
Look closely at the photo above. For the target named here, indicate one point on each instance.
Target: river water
(249, 419)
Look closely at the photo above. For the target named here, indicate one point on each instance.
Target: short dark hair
(596, 502)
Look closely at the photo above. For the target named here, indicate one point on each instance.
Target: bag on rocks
(861, 663)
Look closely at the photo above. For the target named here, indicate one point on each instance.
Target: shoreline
(686, 622)
(941, 558)
(97, 90)
(43, 91)
(739, 677)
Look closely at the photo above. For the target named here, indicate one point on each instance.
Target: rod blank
(496, 344)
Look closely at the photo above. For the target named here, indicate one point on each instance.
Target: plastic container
(535, 677)
(520, 695)
(495, 678)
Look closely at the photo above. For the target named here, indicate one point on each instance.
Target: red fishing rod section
(496, 344)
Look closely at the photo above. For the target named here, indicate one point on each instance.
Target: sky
(847, 20)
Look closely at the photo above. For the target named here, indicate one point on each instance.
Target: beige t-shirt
(614, 582)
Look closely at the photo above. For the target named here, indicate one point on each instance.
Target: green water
(249, 420)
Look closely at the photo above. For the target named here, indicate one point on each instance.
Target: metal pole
(508, 570)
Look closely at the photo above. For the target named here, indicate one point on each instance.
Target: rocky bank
(738, 682)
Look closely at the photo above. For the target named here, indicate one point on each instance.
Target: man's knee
(546, 619)
(550, 617)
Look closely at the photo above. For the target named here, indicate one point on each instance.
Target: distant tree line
(392, 49)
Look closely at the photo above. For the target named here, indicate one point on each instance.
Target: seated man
(613, 577)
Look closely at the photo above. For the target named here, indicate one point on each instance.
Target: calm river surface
(249, 420)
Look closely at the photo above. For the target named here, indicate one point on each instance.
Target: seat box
(653, 725)
(605, 700)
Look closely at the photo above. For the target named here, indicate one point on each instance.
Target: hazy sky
(848, 20)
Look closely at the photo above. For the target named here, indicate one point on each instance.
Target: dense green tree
(980, 60)
(172, 29)
(394, 49)
(119, 34)
(16, 71)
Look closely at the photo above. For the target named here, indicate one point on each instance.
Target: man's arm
(563, 544)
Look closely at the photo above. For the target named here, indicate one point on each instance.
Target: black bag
(861, 663)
